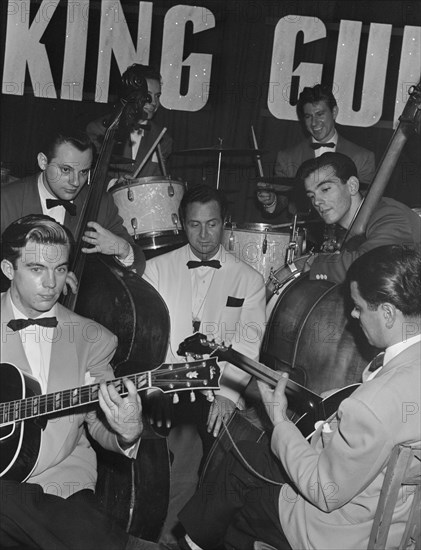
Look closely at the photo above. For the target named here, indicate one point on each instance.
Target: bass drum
(310, 332)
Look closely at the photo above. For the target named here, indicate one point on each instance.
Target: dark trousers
(33, 519)
(235, 507)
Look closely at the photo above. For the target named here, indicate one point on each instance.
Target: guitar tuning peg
(209, 395)
(192, 397)
(175, 398)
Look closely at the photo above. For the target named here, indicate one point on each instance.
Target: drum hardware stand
(231, 238)
(219, 163)
(292, 247)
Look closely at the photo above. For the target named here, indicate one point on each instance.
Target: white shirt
(201, 279)
(389, 354)
(57, 212)
(37, 342)
(321, 150)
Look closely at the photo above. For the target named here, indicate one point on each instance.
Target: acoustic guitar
(311, 406)
(23, 418)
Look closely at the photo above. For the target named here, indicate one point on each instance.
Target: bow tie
(377, 362)
(216, 264)
(19, 324)
(315, 146)
(69, 206)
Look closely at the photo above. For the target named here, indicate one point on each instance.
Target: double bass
(135, 492)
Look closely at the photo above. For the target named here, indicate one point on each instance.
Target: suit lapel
(31, 200)
(149, 136)
(11, 344)
(63, 373)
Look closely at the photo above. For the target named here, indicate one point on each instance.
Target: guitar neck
(167, 378)
(39, 405)
(302, 395)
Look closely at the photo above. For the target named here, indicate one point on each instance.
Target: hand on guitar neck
(309, 405)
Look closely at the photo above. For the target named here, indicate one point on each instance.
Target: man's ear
(7, 268)
(335, 112)
(42, 161)
(389, 313)
(353, 185)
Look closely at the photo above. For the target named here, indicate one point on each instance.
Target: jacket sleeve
(330, 477)
(99, 368)
(388, 225)
(366, 167)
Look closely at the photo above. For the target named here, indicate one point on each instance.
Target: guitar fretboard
(39, 405)
(168, 378)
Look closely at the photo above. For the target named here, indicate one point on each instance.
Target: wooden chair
(400, 471)
(397, 474)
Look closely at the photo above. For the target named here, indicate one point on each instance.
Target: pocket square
(234, 302)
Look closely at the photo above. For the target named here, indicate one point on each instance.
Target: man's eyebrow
(38, 264)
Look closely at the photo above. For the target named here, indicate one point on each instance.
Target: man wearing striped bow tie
(47, 487)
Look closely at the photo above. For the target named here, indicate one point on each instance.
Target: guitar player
(54, 506)
(324, 494)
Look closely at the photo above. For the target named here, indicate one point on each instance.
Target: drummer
(139, 131)
(332, 185)
(59, 190)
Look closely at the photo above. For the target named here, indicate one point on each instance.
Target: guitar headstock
(192, 375)
(198, 344)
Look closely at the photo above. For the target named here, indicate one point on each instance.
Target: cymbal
(217, 149)
(275, 184)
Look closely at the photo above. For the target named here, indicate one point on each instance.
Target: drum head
(123, 183)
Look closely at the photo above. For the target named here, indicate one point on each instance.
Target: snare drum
(261, 245)
(149, 208)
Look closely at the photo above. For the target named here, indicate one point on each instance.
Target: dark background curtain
(241, 44)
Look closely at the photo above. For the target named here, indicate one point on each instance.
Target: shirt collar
(217, 256)
(392, 351)
(333, 139)
(18, 314)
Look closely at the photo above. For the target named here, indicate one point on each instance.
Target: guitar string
(49, 400)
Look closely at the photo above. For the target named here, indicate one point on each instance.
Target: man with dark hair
(136, 135)
(47, 489)
(317, 111)
(332, 185)
(206, 289)
(324, 493)
(60, 190)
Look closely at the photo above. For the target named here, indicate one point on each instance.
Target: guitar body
(328, 406)
(20, 441)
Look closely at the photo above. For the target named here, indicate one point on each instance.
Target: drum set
(149, 208)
